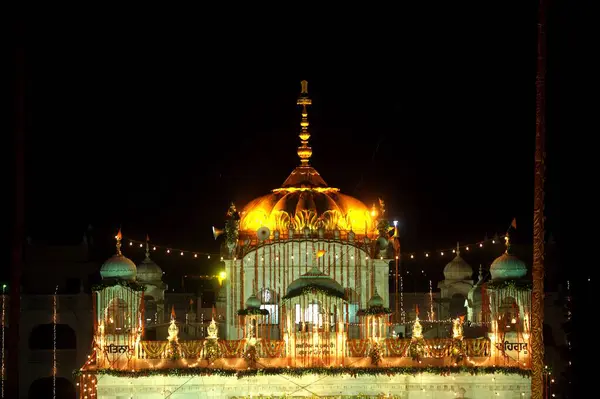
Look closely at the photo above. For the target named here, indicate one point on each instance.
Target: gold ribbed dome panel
(305, 199)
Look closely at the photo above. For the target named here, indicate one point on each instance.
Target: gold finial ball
(304, 153)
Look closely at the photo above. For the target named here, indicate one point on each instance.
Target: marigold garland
(518, 285)
(314, 289)
(124, 283)
(299, 372)
(253, 312)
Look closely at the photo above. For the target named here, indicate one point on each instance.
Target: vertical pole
(18, 221)
(537, 322)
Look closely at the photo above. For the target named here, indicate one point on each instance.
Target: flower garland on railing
(253, 312)
(517, 285)
(211, 350)
(299, 372)
(314, 289)
(416, 350)
(458, 350)
(374, 311)
(134, 286)
(250, 355)
(375, 354)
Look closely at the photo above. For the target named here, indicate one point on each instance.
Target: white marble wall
(423, 386)
(282, 262)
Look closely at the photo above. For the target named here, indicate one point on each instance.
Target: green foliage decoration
(299, 372)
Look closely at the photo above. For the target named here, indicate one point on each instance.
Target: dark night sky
(157, 126)
(157, 123)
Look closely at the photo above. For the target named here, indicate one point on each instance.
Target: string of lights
(54, 314)
(445, 252)
(3, 336)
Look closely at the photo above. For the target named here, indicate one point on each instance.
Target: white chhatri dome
(147, 270)
(507, 266)
(118, 266)
(458, 268)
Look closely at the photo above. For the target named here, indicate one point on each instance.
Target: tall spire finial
(304, 151)
(118, 237)
(147, 246)
(480, 272)
(457, 248)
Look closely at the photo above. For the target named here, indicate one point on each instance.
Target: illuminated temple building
(307, 312)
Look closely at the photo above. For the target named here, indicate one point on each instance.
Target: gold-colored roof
(304, 199)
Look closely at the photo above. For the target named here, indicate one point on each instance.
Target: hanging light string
(54, 344)
(3, 336)
(485, 243)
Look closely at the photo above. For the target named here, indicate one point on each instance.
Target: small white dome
(508, 266)
(118, 266)
(458, 269)
(148, 271)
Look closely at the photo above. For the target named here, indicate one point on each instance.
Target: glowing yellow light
(480, 245)
(412, 256)
(442, 254)
(154, 248)
(513, 321)
(222, 275)
(467, 248)
(320, 253)
(140, 245)
(208, 257)
(181, 253)
(130, 243)
(168, 251)
(427, 255)
(195, 255)
(493, 242)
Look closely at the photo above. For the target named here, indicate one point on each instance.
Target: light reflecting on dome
(148, 271)
(458, 268)
(508, 266)
(301, 206)
(120, 267)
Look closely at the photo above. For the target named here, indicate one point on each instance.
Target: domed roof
(315, 278)
(305, 199)
(252, 302)
(302, 205)
(507, 266)
(148, 271)
(458, 268)
(118, 266)
(475, 293)
(375, 301)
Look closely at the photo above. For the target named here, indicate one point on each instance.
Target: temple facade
(307, 312)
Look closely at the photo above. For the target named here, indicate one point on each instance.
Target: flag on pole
(514, 223)
(173, 312)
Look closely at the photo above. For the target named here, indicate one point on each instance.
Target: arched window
(508, 315)
(43, 388)
(42, 337)
(117, 317)
(269, 300)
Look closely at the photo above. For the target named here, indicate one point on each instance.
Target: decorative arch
(43, 388)
(116, 316)
(42, 337)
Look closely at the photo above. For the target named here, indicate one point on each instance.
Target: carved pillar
(537, 313)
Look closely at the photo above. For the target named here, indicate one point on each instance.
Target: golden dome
(304, 199)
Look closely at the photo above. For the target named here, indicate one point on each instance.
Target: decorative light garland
(54, 314)
(299, 372)
(3, 336)
(124, 283)
(486, 242)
